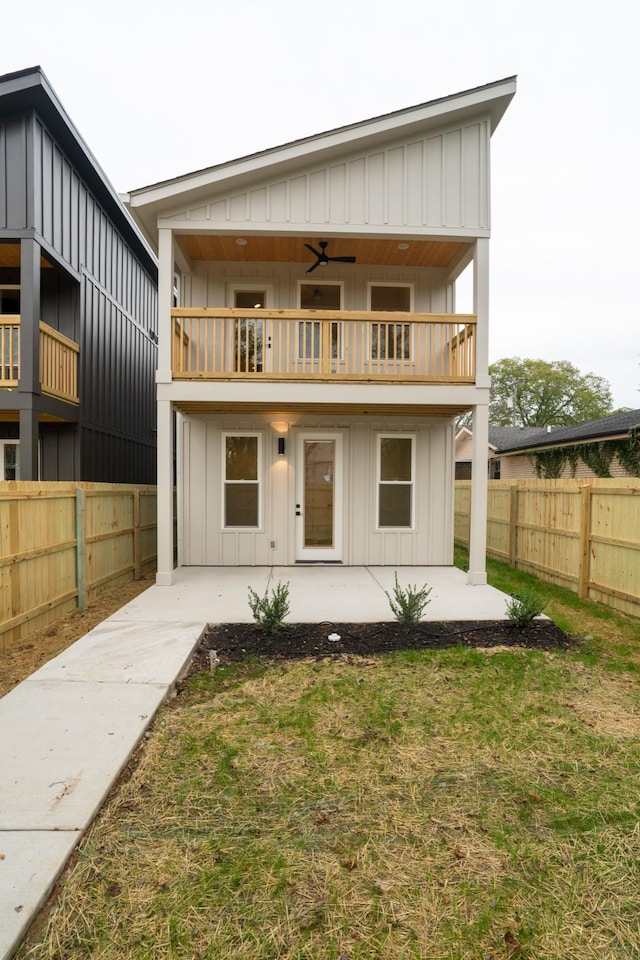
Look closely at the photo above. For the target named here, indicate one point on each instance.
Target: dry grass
(22, 657)
(458, 804)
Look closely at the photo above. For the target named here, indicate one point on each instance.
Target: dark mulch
(241, 641)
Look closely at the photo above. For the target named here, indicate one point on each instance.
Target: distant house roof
(513, 439)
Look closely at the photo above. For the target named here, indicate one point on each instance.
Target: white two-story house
(311, 361)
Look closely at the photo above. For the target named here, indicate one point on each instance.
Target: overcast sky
(158, 89)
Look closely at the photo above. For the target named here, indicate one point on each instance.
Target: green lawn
(451, 804)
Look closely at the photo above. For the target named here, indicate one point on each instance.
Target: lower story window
(395, 481)
(241, 480)
(10, 456)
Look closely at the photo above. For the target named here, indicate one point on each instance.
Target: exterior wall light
(281, 446)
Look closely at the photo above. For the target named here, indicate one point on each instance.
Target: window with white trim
(390, 340)
(241, 485)
(10, 459)
(317, 338)
(396, 471)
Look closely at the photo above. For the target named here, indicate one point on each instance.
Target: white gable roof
(413, 140)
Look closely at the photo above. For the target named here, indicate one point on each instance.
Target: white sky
(158, 89)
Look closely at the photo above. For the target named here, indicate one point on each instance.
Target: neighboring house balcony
(323, 345)
(58, 360)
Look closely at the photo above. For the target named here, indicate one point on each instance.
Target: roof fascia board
(490, 101)
(232, 227)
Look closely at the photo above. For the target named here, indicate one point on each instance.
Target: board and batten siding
(13, 174)
(106, 302)
(210, 284)
(439, 182)
(204, 542)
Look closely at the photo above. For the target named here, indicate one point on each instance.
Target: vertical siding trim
(30, 172)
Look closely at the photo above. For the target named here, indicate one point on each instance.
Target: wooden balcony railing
(226, 344)
(58, 360)
(58, 364)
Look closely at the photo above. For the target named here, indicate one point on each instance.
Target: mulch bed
(235, 642)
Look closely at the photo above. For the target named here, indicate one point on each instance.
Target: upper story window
(392, 340)
(317, 338)
(9, 299)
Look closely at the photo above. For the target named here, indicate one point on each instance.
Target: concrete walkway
(68, 730)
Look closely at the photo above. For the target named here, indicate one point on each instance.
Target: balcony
(330, 345)
(58, 360)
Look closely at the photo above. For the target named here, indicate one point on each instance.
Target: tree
(542, 393)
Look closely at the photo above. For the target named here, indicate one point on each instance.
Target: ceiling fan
(323, 259)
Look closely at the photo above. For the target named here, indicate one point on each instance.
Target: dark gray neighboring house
(78, 304)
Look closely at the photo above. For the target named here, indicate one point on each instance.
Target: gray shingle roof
(509, 439)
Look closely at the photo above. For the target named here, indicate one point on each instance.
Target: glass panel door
(248, 338)
(319, 492)
(319, 497)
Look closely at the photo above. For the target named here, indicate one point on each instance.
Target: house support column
(29, 381)
(29, 436)
(164, 575)
(165, 302)
(477, 574)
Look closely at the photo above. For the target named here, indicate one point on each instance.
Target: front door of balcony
(319, 494)
(251, 335)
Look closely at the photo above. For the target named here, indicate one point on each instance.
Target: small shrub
(408, 603)
(522, 609)
(269, 611)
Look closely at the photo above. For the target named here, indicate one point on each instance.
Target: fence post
(80, 550)
(513, 524)
(585, 540)
(136, 534)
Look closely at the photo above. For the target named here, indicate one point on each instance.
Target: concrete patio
(69, 729)
(318, 592)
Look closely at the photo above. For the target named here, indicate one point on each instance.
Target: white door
(319, 495)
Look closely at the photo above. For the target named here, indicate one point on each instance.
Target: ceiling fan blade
(316, 264)
(315, 252)
(342, 259)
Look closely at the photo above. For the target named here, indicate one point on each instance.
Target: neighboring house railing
(9, 351)
(58, 360)
(58, 364)
(323, 345)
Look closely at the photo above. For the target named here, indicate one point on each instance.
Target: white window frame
(340, 345)
(3, 444)
(403, 483)
(258, 482)
(391, 283)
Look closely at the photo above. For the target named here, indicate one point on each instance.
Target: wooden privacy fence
(580, 534)
(61, 543)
